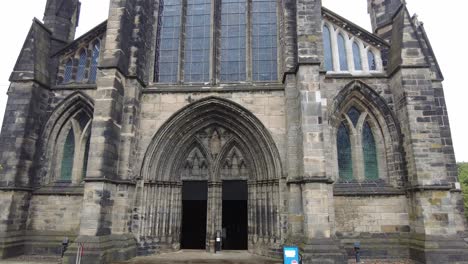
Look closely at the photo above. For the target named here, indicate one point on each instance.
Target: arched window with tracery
(357, 57)
(80, 73)
(357, 150)
(342, 53)
(327, 47)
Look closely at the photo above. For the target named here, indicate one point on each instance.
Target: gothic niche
(233, 166)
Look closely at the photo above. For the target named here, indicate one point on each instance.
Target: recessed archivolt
(214, 122)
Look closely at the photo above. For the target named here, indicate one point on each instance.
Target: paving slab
(202, 257)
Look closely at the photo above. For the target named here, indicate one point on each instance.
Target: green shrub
(463, 177)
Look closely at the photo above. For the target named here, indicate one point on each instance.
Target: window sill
(75, 86)
(238, 87)
(61, 188)
(347, 74)
(366, 188)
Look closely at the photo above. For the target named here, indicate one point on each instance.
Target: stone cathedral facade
(267, 122)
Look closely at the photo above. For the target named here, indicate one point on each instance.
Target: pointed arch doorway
(218, 144)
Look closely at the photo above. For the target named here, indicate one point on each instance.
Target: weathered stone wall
(55, 213)
(385, 214)
(267, 106)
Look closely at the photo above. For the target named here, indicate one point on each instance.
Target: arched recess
(376, 112)
(222, 133)
(73, 114)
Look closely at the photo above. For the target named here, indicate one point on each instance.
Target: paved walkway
(202, 257)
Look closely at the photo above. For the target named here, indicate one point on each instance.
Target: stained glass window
(357, 57)
(67, 76)
(371, 60)
(233, 40)
(342, 53)
(345, 162)
(264, 40)
(68, 156)
(197, 41)
(94, 62)
(354, 115)
(327, 49)
(81, 66)
(167, 41)
(370, 153)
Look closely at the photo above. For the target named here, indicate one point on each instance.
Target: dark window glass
(94, 62)
(327, 49)
(264, 40)
(354, 115)
(370, 153)
(80, 74)
(345, 162)
(371, 59)
(342, 53)
(67, 75)
(167, 41)
(357, 57)
(86, 156)
(233, 38)
(197, 41)
(68, 156)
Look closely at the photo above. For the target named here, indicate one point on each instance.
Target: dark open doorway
(235, 215)
(194, 197)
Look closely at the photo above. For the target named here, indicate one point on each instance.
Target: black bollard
(357, 253)
(65, 242)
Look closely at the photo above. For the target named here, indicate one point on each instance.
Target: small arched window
(94, 62)
(80, 74)
(342, 53)
(68, 72)
(345, 162)
(68, 157)
(357, 57)
(370, 153)
(327, 47)
(371, 60)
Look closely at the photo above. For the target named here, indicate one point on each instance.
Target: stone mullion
(165, 212)
(262, 212)
(172, 213)
(248, 46)
(144, 219)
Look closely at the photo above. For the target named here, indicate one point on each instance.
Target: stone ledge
(370, 188)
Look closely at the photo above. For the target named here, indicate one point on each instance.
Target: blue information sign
(291, 255)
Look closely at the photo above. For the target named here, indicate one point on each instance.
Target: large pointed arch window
(357, 150)
(72, 148)
(207, 41)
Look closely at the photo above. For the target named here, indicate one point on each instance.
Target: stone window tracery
(357, 149)
(207, 41)
(72, 148)
(346, 53)
(81, 66)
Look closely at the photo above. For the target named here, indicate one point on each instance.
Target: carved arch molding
(210, 140)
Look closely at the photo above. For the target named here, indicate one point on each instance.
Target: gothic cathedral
(270, 122)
